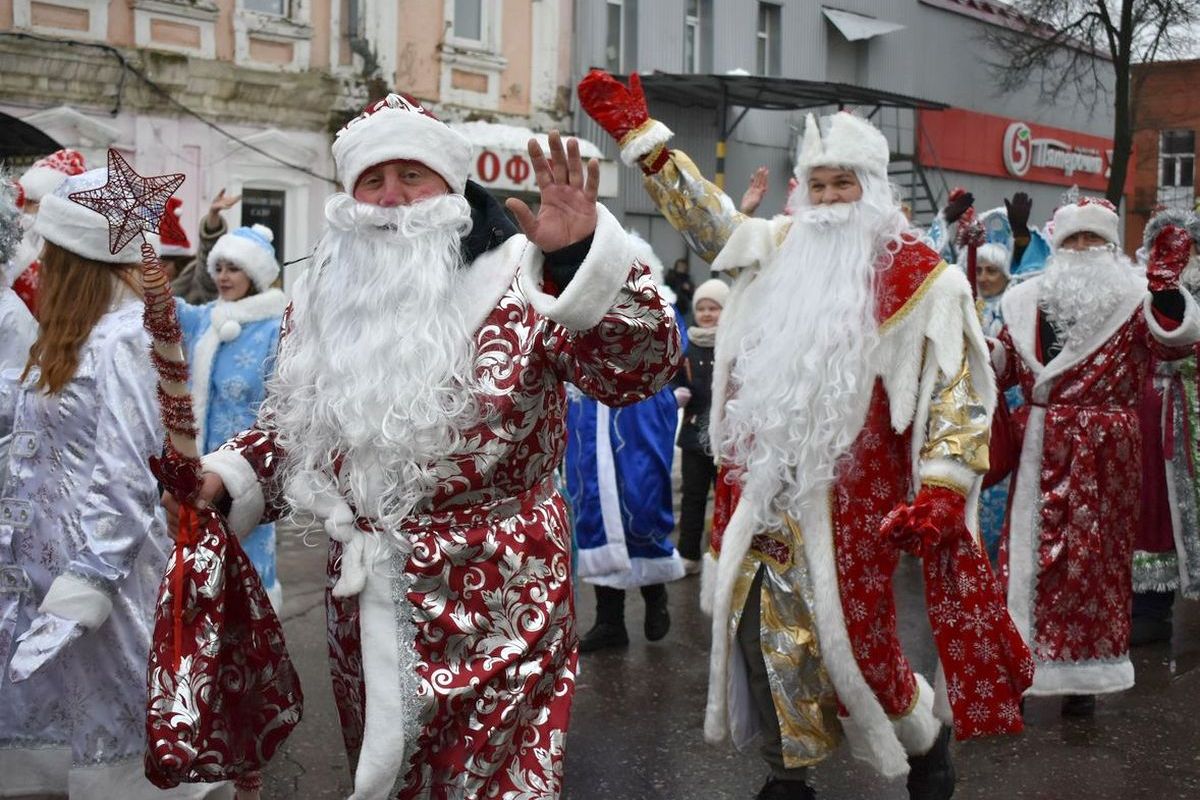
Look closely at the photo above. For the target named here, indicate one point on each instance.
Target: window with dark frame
(278, 8)
(614, 45)
(1177, 158)
(768, 60)
(468, 20)
(692, 47)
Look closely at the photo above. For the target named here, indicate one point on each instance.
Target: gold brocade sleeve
(956, 442)
(704, 215)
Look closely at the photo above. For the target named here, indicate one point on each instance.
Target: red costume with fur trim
(490, 586)
(1075, 503)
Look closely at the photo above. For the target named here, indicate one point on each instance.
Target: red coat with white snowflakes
(1075, 501)
(489, 577)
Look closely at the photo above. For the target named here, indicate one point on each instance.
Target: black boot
(609, 630)
(1079, 705)
(658, 618)
(931, 776)
(777, 789)
(1151, 618)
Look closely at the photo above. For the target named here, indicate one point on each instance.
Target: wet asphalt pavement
(637, 726)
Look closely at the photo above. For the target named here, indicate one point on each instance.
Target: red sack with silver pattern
(223, 694)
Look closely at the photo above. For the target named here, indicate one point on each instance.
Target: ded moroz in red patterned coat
(492, 618)
(1075, 506)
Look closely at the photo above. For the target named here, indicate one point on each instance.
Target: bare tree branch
(1084, 50)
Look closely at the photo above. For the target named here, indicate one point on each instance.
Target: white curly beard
(377, 368)
(1080, 289)
(805, 331)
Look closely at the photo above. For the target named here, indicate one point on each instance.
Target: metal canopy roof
(775, 94)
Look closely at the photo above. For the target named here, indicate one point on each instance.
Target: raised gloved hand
(683, 396)
(1018, 209)
(960, 200)
(621, 111)
(935, 518)
(1169, 246)
(48, 635)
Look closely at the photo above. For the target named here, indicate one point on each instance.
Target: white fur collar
(1020, 310)
(226, 325)
(489, 276)
(254, 308)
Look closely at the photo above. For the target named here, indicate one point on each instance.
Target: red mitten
(1169, 253)
(935, 518)
(621, 110)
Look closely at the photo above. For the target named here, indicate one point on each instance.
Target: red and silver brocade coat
(492, 619)
(828, 624)
(1075, 503)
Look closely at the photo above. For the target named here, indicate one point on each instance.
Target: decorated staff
(222, 691)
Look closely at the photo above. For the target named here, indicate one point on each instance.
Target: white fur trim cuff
(945, 472)
(643, 143)
(752, 244)
(918, 729)
(1061, 678)
(241, 484)
(1186, 333)
(74, 598)
(643, 572)
(591, 293)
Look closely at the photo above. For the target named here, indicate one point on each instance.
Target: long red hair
(73, 295)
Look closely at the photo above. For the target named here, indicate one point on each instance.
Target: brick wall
(1165, 97)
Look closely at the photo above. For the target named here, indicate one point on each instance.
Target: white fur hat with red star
(399, 127)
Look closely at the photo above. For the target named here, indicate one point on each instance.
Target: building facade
(1166, 110)
(928, 49)
(245, 95)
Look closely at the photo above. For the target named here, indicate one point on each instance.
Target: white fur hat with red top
(48, 173)
(1093, 214)
(395, 128)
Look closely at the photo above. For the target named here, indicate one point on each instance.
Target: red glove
(1169, 254)
(937, 517)
(620, 109)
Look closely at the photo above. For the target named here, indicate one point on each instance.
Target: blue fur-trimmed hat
(251, 250)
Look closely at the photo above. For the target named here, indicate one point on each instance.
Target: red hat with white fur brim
(1092, 214)
(399, 127)
(48, 173)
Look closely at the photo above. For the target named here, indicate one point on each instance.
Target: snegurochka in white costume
(852, 398)
(83, 544)
(417, 409)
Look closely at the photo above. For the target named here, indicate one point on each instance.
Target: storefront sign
(502, 164)
(959, 140)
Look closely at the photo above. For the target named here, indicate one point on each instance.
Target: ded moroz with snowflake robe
(1081, 340)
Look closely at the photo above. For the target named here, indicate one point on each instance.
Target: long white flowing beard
(377, 368)
(1080, 289)
(802, 373)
